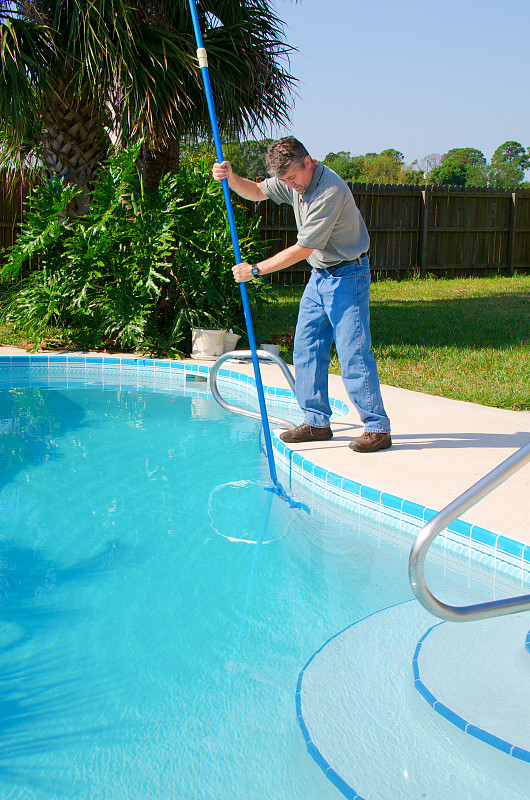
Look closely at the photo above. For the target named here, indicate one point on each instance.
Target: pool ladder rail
(494, 608)
(246, 355)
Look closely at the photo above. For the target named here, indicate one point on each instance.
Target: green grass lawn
(465, 338)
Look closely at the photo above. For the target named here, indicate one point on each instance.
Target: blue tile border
(454, 718)
(461, 538)
(464, 539)
(162, 364)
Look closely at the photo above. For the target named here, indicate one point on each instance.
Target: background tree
(79, 76)
(383, 167)
(508, 165)
(465, 155)
(248, 158)
(458, 166)
(412, 175)
(450, 174)
(512, 153)
(504, 175)
(348, 167)
(193, 150)
(467, 166)
(389, 167)
(428, 163)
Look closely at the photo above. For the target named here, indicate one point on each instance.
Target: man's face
(299, 179)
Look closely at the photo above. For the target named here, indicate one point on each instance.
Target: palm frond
(25, 51)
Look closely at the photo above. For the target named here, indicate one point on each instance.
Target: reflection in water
(31, 421)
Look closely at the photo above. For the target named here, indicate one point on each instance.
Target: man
(333, 238)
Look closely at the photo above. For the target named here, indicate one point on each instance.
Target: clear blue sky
(417, 75)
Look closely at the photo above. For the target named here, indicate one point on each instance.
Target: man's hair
(285, 154)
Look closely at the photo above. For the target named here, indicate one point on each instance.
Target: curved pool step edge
(343, 696)
(478, 732)
(346, 790)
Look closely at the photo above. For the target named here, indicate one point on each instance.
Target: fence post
(424, 231)
(511, 240)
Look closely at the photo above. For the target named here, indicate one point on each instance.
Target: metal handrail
(494, 608)
(247, 354)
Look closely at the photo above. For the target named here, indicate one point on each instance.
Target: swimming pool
(158, 604)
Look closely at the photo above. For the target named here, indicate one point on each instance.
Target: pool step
(373, 734)
(491, 698)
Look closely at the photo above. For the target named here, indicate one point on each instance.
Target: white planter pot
(207, 345)
(230, 342)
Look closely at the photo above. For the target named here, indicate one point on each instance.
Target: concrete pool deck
(440, 448)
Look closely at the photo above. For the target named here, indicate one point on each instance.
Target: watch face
(255, 271)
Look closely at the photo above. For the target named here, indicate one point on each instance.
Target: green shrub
(139, 270)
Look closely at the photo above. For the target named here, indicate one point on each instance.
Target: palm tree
(57, 69)
(80, 75)
(245, 45)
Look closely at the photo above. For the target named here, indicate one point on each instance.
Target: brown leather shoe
(371, 442)
(306, 433)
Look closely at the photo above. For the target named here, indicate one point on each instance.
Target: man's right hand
(241, 186)
(222, 171)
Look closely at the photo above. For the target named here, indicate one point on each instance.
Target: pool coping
(463, 538)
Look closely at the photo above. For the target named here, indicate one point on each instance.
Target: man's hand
(222, 171)
(242, 272)
(285, 258)
(244, 187)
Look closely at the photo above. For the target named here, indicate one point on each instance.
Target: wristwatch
(255, 271)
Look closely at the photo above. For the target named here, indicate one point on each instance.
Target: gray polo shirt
(326, 217)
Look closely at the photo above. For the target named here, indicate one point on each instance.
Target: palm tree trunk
(157, 158)
(74, 144)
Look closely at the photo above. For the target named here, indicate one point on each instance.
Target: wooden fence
(413, 229)
(11, 211)
(444, 230)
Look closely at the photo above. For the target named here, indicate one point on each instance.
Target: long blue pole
(203, 62)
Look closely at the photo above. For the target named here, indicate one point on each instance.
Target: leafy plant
(139, 270)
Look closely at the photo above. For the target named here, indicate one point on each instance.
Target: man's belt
(331, 269)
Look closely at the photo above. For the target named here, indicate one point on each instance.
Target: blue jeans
(335, 306)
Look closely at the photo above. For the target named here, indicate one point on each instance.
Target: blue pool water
(157, 604)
